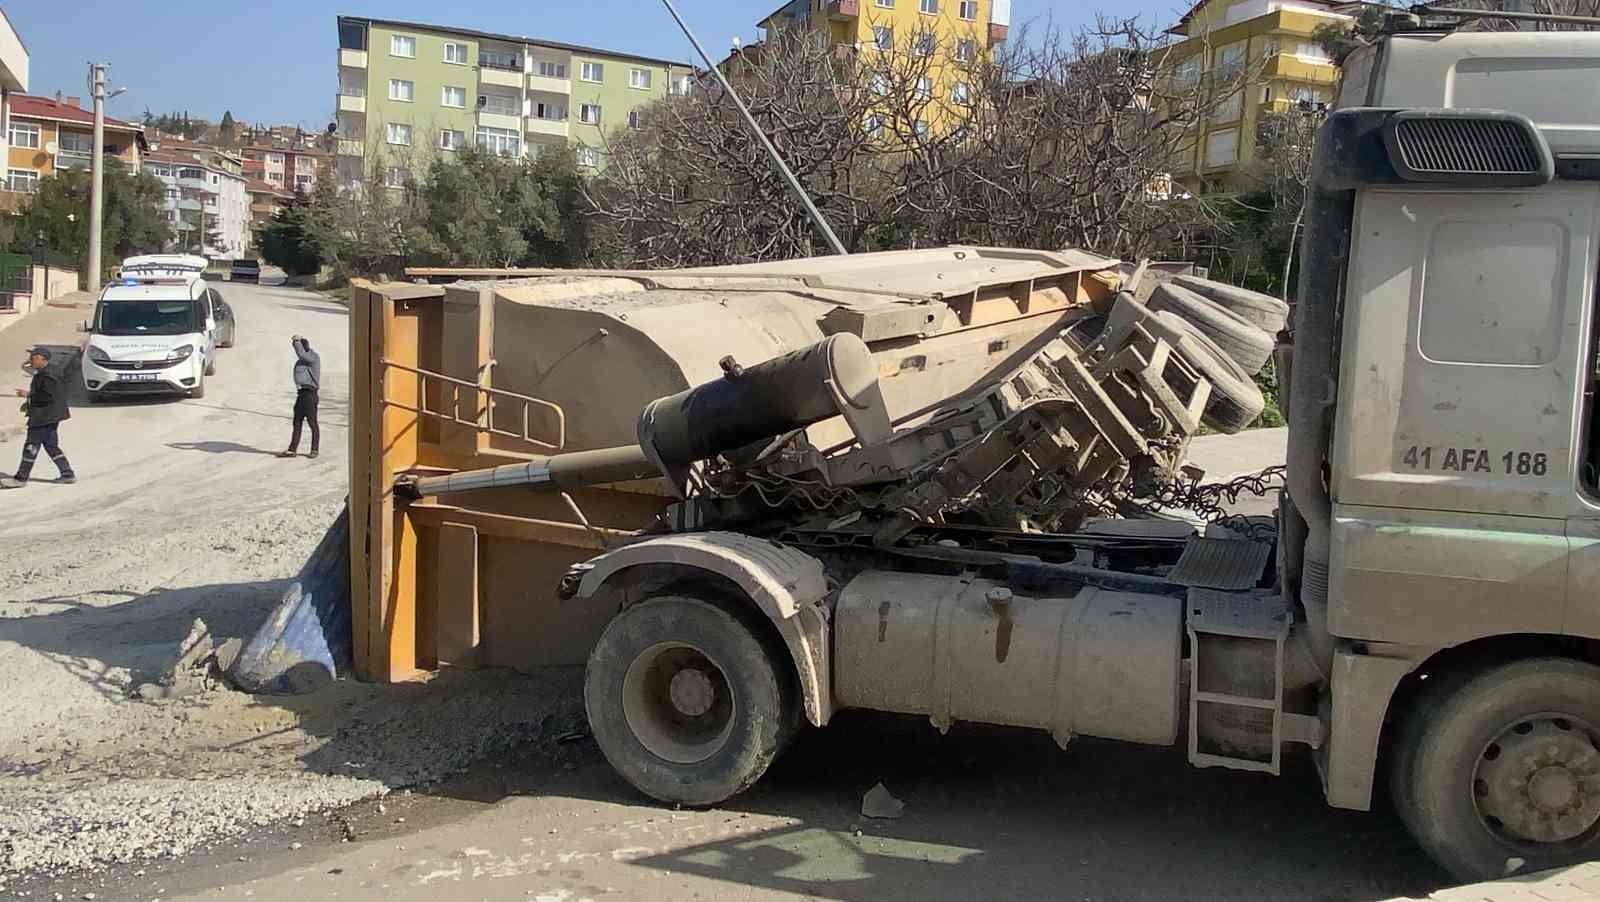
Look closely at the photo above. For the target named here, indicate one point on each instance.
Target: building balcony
(998, 33)
(355, 59)
(74, 159)
(556, 128)
(562, 86)
(352, 147)
(490, 119)
(189, 205)
(195, 185)
(1300, 68)
(844, 10)
(494, 75)
(350, 103)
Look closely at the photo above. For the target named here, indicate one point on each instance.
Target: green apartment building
(409, 91)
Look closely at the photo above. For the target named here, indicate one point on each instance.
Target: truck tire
(1245, 343)
(1498, 772)
(686, 701)
(1263, 311)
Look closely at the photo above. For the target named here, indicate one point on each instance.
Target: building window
(1188, 74)
(24, 134)
(1308, 94)
(499, 59)
(929, 7)
(880, 84)
(552, 111)
(920, 128)
(924, 44)
(394, 176)
(874, 126)
(552, 70)
(883, 37)
(400, 133)
(679, 86)
(1222, 147)
(454, 97)
(633, 118)
(885, 4)
(403, 45)
(275, 159)
(1266, 93)
(501, 104)
(588, 156)
(639, 78)
(961, 93)
(924, 88)
(592, 72)
(502, 142)
(535, 150)
(455, 53)
(1311, 51)
(25, 181)
(452, 139)
(969, 10)
(1230, 61)
(401, 90)
(589, 114)
(1229, 108)
(966, 50)
(302, 181)
(275, 177)
(77, 142)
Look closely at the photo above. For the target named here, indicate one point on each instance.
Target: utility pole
(97, 90)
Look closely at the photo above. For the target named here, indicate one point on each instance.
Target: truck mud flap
(308, 636)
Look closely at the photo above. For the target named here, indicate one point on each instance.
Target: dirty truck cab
(154, 330)
(1436, 604)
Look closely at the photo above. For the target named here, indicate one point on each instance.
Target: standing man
(307, 380)
(46, 408)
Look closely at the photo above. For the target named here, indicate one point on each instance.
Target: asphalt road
(163, 458)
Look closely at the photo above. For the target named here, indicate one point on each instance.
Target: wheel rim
(678, 703)
(1537, 784)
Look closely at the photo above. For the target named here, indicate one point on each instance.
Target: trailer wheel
(1500, 773)
(1241, 340)
(686, 701)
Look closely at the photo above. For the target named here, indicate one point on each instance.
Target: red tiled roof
(28, 106)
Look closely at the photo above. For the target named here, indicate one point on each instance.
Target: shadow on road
(336, 311)
(218, 448)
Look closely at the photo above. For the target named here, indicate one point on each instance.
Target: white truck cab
(153, 332)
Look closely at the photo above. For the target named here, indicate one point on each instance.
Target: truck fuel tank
(1096, 663)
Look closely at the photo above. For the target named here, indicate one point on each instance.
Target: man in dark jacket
(46, 407)
(307, 382)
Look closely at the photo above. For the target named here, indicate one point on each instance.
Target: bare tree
(1064, 141)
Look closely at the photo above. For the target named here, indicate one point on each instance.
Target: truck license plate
(137, 377)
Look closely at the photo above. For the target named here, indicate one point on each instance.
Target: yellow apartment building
(1271, 42)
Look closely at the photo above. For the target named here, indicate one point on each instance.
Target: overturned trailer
(521, 370)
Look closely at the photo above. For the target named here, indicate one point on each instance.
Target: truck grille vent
(1466, 145)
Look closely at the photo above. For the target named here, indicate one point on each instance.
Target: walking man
(307, 381)
(46, 408)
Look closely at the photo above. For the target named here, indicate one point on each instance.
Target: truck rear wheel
(1499, 773)
(686, 701)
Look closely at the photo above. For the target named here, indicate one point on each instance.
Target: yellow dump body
(503, 366)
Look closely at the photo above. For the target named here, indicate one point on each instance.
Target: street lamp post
(97, 90)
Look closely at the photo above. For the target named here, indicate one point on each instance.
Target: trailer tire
(1239, 339)
(1263, 311)
(1236, 400)
(686, 700)
(1498, 772)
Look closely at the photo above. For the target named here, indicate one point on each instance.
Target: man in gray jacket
(307, 381)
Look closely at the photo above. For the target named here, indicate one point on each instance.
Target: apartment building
(291, 167)
(266, 199)
(1270, 42)
(408, 91)
(953, 34)
(46, 135)
(13, 80)
(206, 199)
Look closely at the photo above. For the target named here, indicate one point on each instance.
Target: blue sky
(273, 60)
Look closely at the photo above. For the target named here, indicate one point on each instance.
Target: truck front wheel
(685, 700)
(1500, 774)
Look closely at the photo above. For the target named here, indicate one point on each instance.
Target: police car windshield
(146, 318)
